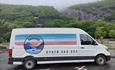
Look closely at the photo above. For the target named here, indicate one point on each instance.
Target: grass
(111, 47)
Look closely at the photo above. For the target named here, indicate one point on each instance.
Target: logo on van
(34, 44)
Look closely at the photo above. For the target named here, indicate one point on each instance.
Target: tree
(62, 22)
(112, 33)
(87, 25)
(100, 32)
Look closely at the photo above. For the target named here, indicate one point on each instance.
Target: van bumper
(108, 58)
(12, 60)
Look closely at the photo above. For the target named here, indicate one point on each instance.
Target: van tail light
(10, 52)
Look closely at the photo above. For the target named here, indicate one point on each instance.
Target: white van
(31, 46)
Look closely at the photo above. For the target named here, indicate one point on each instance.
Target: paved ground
(112, 52)
(70, 66)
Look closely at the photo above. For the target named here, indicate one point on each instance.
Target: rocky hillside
(104, 9)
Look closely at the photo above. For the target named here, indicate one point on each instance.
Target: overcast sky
(59, 4)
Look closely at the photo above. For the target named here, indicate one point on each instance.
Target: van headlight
(107, 49)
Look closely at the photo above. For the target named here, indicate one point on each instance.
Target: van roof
(46, 30)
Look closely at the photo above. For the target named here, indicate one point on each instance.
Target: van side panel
(41, 45)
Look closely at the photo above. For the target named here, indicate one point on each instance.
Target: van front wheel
(29, 64)
(100, 60)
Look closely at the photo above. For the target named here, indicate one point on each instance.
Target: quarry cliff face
(99, 13)
(98, 10)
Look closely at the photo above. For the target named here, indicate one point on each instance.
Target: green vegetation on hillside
(17, 16)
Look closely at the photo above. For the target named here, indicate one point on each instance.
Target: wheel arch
(30, 57)
(100, 54)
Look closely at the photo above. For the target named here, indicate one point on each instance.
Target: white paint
(17, 63)
(89, 50)
(68, 61)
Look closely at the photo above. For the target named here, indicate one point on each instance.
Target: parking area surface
(68, 66)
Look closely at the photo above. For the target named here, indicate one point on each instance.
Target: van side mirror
(94, 43)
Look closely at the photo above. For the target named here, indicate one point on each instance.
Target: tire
(100, 60)
(29, 64)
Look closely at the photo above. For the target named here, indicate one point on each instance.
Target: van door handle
(82, 47)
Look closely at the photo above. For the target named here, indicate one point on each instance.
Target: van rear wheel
(100, 60)
(29, 64)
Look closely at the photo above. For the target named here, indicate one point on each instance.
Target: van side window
(87, 40)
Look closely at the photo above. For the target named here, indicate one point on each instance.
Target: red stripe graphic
(61, 43)
(51, 43)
